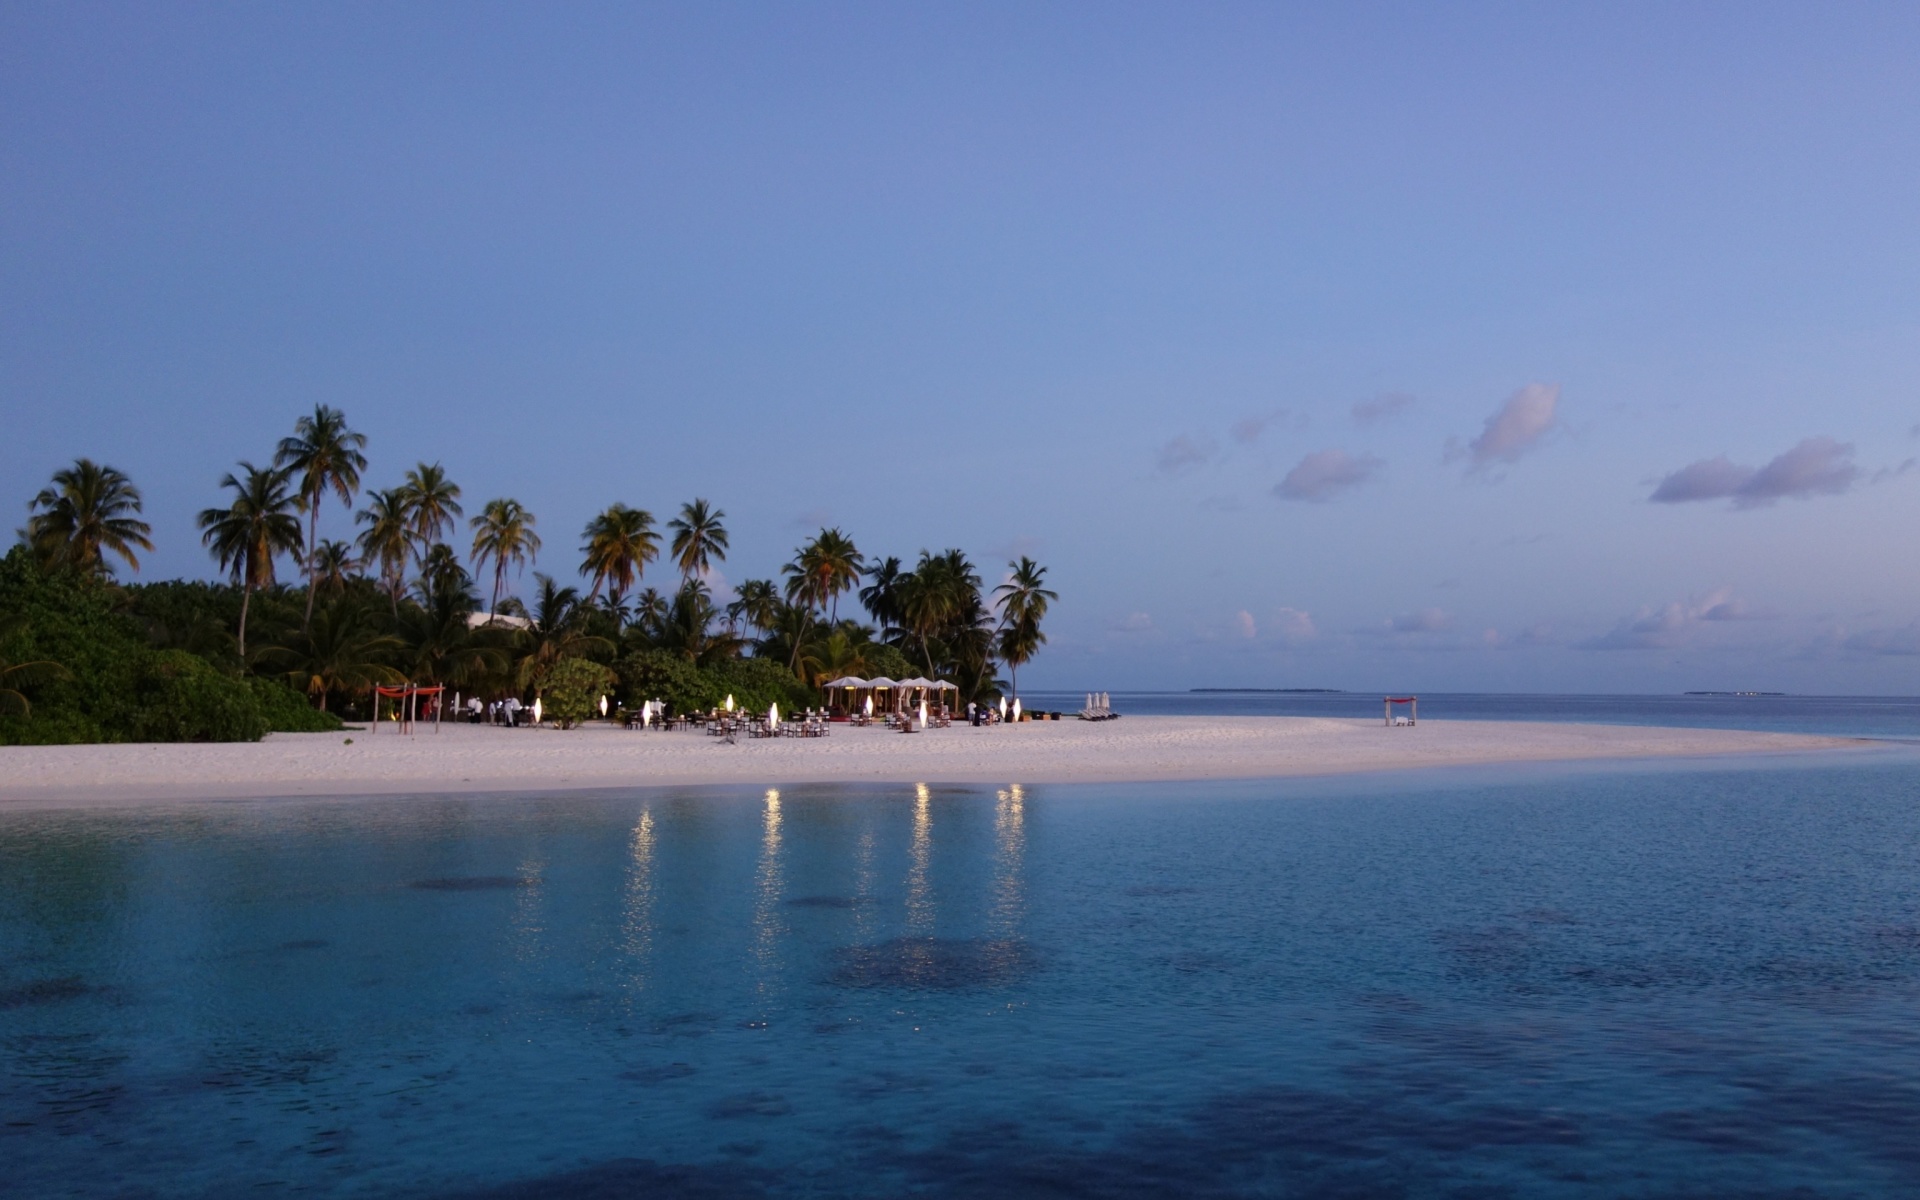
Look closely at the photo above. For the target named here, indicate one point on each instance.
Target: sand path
(464, 758)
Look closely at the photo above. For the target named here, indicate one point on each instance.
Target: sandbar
(485, 759)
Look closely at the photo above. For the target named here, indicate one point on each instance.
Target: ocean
(1581, 981)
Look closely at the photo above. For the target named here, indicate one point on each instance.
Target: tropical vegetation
(88, 656)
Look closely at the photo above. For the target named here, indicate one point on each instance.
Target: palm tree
(687, 628)
(822, 569)
(14, 676)
(699, 539)
(86, 512)
(442, 578)
(245, 536)
(620, 543)
(325, 454)
(333, 565)
(557, 631)
(942, 595)
(503, 534)
(756, 601)
(1023, 602)
(386, 539)
(432, 504)
(881, 598)
(339, 652)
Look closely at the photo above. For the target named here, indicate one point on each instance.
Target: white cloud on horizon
(1663, 628)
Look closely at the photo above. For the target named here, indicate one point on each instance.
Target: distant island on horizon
(1275, 691)
(1733, 693)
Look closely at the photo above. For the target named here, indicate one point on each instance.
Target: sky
(1446, 347)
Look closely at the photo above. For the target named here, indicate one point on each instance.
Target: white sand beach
(464, 758)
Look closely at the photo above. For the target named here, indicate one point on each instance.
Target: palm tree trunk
(313, 563)
(246, 599)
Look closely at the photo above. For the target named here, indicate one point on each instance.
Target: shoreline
(466, 759)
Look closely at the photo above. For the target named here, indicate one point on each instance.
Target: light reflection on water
(1699, 982)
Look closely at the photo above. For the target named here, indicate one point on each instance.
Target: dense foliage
(116, 682)
(85, 658)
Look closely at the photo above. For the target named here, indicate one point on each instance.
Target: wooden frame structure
(1413, 708)
(406, 699)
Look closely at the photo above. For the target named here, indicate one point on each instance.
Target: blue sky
(1308, 346)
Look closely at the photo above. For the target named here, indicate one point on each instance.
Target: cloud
(1134, 623)
(1661, 628)
(1381, 407)
(1243, 623)
(1527, 416)
(1184, 452)
(1427, 620)
(1293, 625)
(1247, 430)
(1322, 475)
(1818, 466)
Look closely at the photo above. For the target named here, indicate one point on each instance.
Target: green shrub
(182, 698)
(287, 711)
(658, 675)
(756, 683)
(573, 690)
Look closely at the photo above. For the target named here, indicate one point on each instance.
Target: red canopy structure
(406, 702)
(1413, 708)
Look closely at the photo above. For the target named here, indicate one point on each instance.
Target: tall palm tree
(333, 565)
(881, 598)
(699, 539)
(620, 542)
(386, 540)
(755, 601)
(1023, 601)
(84, 514)
(326, 457)
(443, 579)
(503, 535)
(822, 569)
(432, 504)
(249, 533)
(941, 596)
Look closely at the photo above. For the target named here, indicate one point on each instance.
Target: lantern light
(603, 706)
(1016, 708)
(536, 710)
(773, 716)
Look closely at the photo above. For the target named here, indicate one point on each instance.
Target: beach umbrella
(848, 681)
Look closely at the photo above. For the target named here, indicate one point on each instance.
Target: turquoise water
(1643, 981)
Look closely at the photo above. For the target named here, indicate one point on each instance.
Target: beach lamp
(536, 710)
(729, 701)
(646, 714)
(1016, 708)
(603, 706)
(869, 705)
(773, 715)
(1003, 708)
(923, 713)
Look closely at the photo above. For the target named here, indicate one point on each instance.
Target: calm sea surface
(1866, 716)
(1591, 982)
